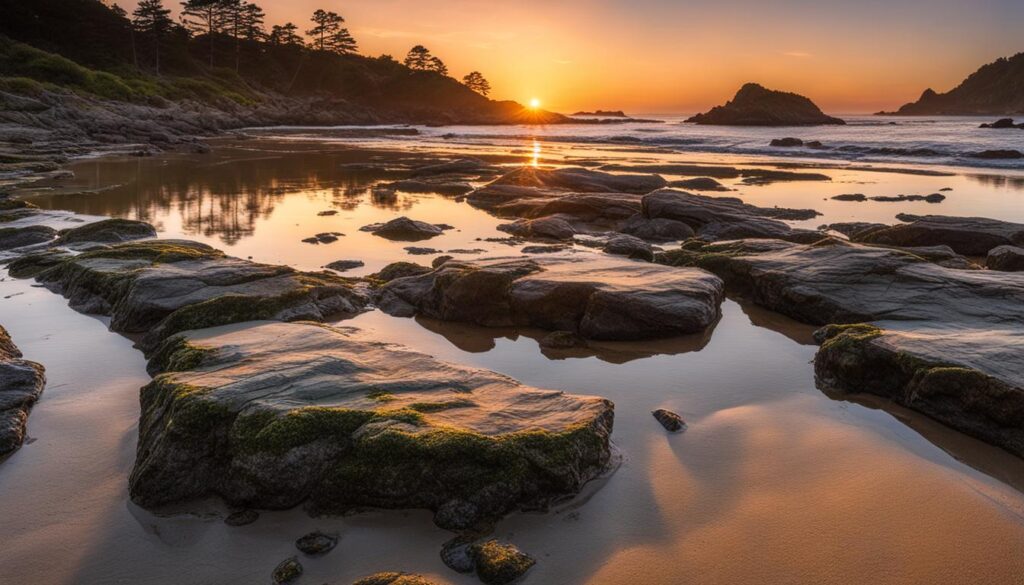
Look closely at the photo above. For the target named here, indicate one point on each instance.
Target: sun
(534, 104)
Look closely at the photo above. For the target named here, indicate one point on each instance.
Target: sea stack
(754, 105)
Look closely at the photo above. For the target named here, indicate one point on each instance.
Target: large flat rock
(21, 383)
(726, 218)
(273, 414)
(164, 286)
(598, 299)
(973, 236)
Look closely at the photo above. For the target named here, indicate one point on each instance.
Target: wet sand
(773, 482)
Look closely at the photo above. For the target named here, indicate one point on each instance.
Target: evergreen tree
(209, 17)
(419, 58)
(252, 22)
(328, 25)
(438, 66)
(477, 83)
(341, 43)
(286, 35)
(153, 20)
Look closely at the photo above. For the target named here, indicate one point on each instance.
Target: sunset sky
(663, 56)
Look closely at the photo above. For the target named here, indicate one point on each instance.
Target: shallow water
(773, 482)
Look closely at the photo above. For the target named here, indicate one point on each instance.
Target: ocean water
(774, 481)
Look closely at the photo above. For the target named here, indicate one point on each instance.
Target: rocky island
(993, 89)
(755, 105)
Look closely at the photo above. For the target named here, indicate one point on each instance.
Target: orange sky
(663, 56)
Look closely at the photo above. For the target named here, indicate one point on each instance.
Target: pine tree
(252, 22)
(342, 43)
(419, 58)
(209, 17)
(477, 83)
(438, 66)
(286, 35)
(328, 24)
(152, 19)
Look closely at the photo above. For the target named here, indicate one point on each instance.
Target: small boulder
(549, 228)
(456, 514)
(699, 184)
(1006, 154)
(672, 422)
(242, 517)
(500, 564)
(11, 238)
(316, 543)
(397, 270)
(1000, 124)
(631, 246)
(786, 142)
(343, 265)
(553, 249)
(1005, 259)
(656, 229)
(418, 251)
(404, 229)
(108, 231)
(457, 555)
(851, 197)
(440, 260)
(327, 213)
(394, 579)
(287, 571)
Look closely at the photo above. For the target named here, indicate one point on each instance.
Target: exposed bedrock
(726, 218)
(161, 287)
(946, 342)
(21, 383)
(270, 415)
(597, 300)
(973, 236)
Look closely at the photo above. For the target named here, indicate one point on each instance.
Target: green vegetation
(155, 251)
(178, 354)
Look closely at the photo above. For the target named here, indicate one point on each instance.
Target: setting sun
(534, 103)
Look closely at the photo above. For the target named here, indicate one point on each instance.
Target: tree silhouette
(208, 17)
(328, 24)
(252, 22)
(341, 42)
(153, 20)
(286, 35)
(419, 58)
(438, 66)
(477, 83)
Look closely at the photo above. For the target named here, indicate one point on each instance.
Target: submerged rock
(21, 383)
(973, 236)
(672, 422)
(1002, 123)
(1007, 154)
(270, 415)
(345, 265)
(242, 517)
(631, 246)
(1005, 259)
(699, 184)
(499, 563)
(317, 543)
(726, 218)
(12, 238)
(394, 579)
(162, 287)
(754, 105)
(933, 198)
(404, 229)
(851, 197)
(620, 301)
(786, 142)
(287, 571)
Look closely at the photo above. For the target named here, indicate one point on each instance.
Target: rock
(562, 340)
(554, 249)
(724, 218)
(418, 251)
(618, 301)
(31, 264)
(462, 166)
(404, 229)
(11, 238)
(547, 228)
(1005, 259)
(672, 422)
(440, 260)
(394, 579)
(270, 415)
(287, 571)
(786, 142)
(324, 238)
(579, 180)
(699, 184)
(768, 176)
(21, 383)
(317, 543)
(851, 197)
(397, 270)
(1007, 154)
(108, 231)
(754, 105)
(161, 287)
(457, 555)
(854, 228)
(933, 198)
(656, 230)
(499, 564)
(631, 246)
(242, 517)
(457, 514)
(344, 265)
(1000, 124)
(439, 187)
(972, 236)
(328, 213)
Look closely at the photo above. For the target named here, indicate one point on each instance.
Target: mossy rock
(108, 231)
(273, 414)
(500, 564)
(394, 579)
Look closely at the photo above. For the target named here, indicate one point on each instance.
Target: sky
(681, 56)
